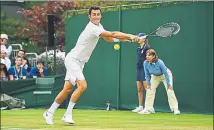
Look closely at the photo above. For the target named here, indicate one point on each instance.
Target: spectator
(21, 53)
(25, 65)
(39, 70)
(5, 46)
(3, 71)
(17, 72)
(6, 59)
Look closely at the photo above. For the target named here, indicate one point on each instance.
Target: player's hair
(153, 53)
(94, 8)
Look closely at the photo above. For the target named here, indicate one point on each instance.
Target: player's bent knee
(83, 87)
(67, 90)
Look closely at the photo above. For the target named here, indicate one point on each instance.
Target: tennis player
(76, 59)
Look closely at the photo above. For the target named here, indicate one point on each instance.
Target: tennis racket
(166, 30)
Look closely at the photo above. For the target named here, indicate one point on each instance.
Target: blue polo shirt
(35, 72)
(141, 55)
(158, 68)
(17, 75)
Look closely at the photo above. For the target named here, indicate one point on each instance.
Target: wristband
(116, 40)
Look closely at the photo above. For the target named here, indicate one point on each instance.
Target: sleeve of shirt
(9, 50)
(10, 71)
(32, 72)
(98, 30)
(147, 74)
(24, 72)
(164, 71)
(9, 62)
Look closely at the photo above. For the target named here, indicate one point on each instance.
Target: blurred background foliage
(31, 29)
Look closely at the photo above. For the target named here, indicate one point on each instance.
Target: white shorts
(74, 69)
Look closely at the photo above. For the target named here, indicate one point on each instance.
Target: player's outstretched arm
(118, 35)
(111, 39)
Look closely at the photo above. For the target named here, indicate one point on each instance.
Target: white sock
(140, 106)
(53, 107)
(70, 107)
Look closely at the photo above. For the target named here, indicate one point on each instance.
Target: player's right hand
(134, 38)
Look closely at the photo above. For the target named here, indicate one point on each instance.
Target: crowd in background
(19, 67)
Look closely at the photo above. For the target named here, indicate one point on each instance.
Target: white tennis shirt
(86, 42)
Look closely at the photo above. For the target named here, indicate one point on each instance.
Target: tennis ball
(116, 47)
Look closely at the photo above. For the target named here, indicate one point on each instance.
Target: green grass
(107, 120)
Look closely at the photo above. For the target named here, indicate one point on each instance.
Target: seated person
(22, 54)
(3, 71)
(17, 72)
(25, 64)
(39, 70)
(5, 46)
(6, 59)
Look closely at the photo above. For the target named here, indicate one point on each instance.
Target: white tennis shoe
(145, 111)
(48, 117)
(137, 109)
(177, 112)
(68, 119)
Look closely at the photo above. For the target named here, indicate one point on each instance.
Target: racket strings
(166, 31)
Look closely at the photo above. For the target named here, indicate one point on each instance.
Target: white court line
(11, 128)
